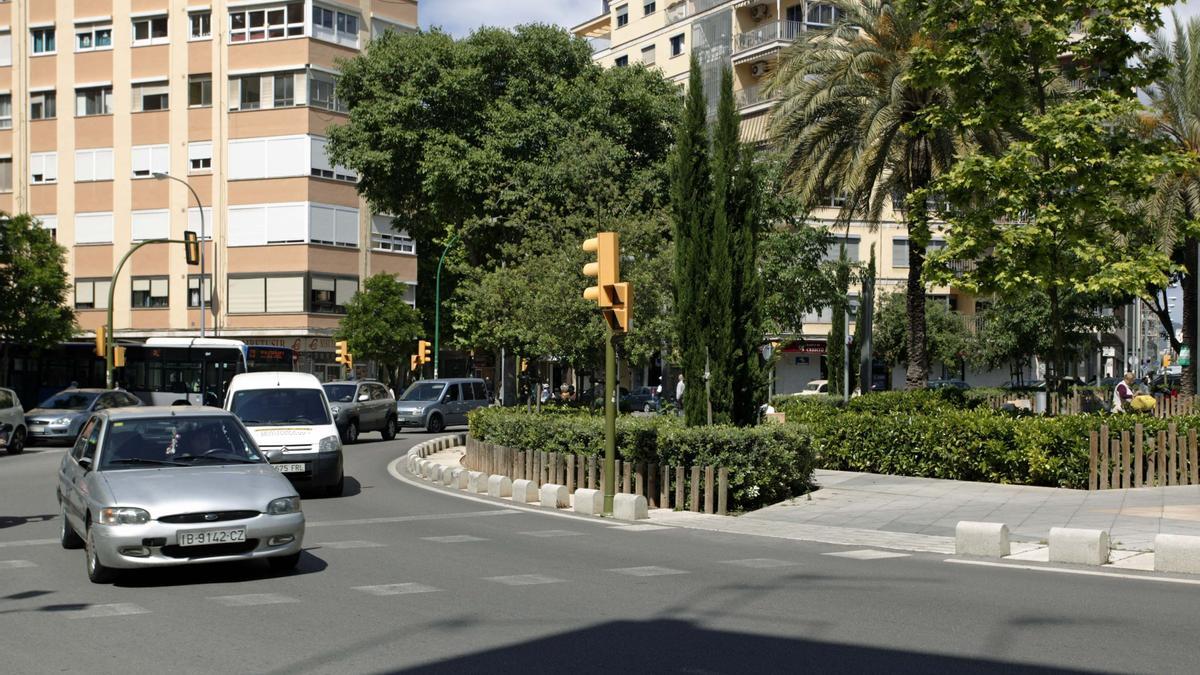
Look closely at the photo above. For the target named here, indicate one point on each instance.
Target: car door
(453, 404)
(10, 410)
(383, 403)
(73, 470)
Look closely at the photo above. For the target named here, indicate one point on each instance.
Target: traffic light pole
(437, 304)
(110, 338)
(610, 421)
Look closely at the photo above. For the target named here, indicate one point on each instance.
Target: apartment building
(748, 37)
(234, 97)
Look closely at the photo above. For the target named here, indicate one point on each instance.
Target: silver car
(59, 418)
(156, 486)
(437, 404)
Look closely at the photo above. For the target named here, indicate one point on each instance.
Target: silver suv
(437, 404)
(361, 405)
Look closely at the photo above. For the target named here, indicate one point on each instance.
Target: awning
(754, 129)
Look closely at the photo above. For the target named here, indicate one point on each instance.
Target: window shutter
(346, 227)
(246, 295)
(158, 288)
(101, 293)
(285, 294)
(321, 223)
(346, 288)
(84, 292)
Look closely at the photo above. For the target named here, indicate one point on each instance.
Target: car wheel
(66, 534)
(97, 572)
(16, 444)
(435, 424)
(351, 434)
(337, 488)
(389, 429)
(284, 563)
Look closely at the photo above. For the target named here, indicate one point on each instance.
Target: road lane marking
(252, 599)
(1086, 573)
(27, 542)
(105, 611)
(552, 533)
(867, 554)
(14, 564)
(349, 544)
(407, 519)
(453, 539)
(639, 528)
(396, 589)
(647, 571)
(524, 580)
(760, 563)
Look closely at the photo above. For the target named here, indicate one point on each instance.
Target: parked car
(158, 486)
(644, 399)
(12, 422)
(947, 384)
(59, 418)
(359, 406)
(288, 417)
(437, 404)
(815, 388)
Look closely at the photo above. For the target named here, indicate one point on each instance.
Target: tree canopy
(379, 324)
(33, 287)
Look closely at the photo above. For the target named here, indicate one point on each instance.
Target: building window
(622, 16)
(193, 281)
(900, 250)
(42, 40)
(250, 92)
(150, 96)
(335, 26)
(200, 157)
(833, 250)
(200, 91)
(5, 111)
(149, 292)
(285, 91)
(48, 223)
(6, 174)
(275, 294)
(676, 44)
(148, 160)
(329, 295)
(333, 225)
(384, 238)
(91, 293)
(94, 228)
(271, 22)
(648, 8)
(648, 55)
(322, 88)
(93, 164)
(93, 101)
(321, 166)
(5, 47)
(89, 37)
(43, 167)
(621, 61)
(201, 25)
(150, 30)
(42, 105)
(823, 16)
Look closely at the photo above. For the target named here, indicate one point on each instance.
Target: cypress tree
(719, 299)
(835, 349)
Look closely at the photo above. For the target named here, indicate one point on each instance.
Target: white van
(288, 415)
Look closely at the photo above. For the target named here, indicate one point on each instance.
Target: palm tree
(1175, 106)
(845, 124)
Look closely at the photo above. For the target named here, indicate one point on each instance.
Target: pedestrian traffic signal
(344, 356)
(191, 247)
(101, 342)
(423, 352)
(118, 357)
(606, 269)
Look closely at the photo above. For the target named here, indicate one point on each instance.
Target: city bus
(171, 371)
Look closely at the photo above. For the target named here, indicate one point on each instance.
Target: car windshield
(179, 440)
(814, 386)
(424, 391)
(339, 393)
(70, 400)
(279, 407)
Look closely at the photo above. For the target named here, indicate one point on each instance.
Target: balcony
(751, 96)
(679, 11)
(776, 31)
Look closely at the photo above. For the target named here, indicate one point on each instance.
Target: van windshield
(424, 391)
(278, 407)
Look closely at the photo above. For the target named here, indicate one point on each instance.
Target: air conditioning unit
(760, 12)
(759, 68)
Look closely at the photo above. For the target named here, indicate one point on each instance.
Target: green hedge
(766, 464)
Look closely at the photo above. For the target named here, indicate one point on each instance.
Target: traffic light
(414, 362)
(118, 357)
(344, 356)
(1166, 361)
(423, 352)
(524, 365)
(620, 315)
(606, 269)
(101, 342)
(191, 247)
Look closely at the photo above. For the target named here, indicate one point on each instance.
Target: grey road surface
(401, 578)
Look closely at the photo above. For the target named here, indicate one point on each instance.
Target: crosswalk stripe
(251, 599)
(104, 611)
(349, 544)
(410, 519)
(453, 539)
(524, 580)
(396, 589)
(14, 564)
(867, 554)
(760, 563)
(647, 571)
(552, 533)
(639, 528)
(27, 542)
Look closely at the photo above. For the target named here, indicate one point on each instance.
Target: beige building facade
(234, 97)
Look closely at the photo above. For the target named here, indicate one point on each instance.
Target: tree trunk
(1187, 384)
(917, 374)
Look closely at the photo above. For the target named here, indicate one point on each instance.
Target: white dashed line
(639, 528)
(349, 544)
(524, 580)
(760, 563)
(453, 539)
(27, 542)
(410, 519)
(553, 533)
(251, 599)
(867, 554)
(648, 571)
(396, 589)
(14, 564)
(105, 611)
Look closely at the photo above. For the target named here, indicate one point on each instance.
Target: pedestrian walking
(1123, 393)
(679, 389)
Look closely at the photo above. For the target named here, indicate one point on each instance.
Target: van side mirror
(86, 463)
(363, 397)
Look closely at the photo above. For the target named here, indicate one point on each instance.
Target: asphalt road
(398, 577)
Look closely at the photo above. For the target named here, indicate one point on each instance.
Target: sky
(460, 17)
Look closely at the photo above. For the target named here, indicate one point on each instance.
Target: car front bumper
(410, 419)
(321, 469)
(160, 542)
(50, 433)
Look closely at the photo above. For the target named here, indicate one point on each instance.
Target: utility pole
(437, 305)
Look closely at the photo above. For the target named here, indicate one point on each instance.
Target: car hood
(52, 413)
(172, 490)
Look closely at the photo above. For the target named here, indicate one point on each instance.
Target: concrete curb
(1078, 546)
(500, 486)
(630, 507)
(524, 492)
(589, 502)
(554, 496)
(986, 540)
(1177, 553)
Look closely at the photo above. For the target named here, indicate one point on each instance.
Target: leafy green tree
(951, 343)
(33, 288)
(835, 348)
(796, 279)
(845, 123)
(380, 325)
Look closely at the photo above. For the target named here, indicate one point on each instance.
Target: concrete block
(499, 486)
(589, 502)
(555, 496)
(1177, 553)
(630, 507)
(448, 475)
(476, 482)
(437, 473)
(987, 540)
(524, 492)
(1079, 547)
(425, 467)
(458, 479)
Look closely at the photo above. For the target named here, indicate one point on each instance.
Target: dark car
(361, 405)
(948, 384)
(645, 399)
(59, 418)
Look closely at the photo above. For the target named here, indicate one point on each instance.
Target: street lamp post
(160, 176)
(437, 305)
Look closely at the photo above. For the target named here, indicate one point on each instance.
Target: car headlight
(283, 505)
(329, 444)
(123, 515)
(61, 421)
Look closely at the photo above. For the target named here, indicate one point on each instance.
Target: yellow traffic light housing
(118, 357)
(101, 342)
(423, 352)
(619, 314)
(413, 362)
(606, 269)
(344, 356)
(191, 247)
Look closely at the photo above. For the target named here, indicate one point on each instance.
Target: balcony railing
(599, 44)
(752, 95)
(776, 30)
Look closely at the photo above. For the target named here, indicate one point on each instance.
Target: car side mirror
(363, 397)
(86, 463)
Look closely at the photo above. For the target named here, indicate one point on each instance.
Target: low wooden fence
(1136, 459)
(1089, 402)
(695, 488)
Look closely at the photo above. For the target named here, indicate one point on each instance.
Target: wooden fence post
(679, 504)
(664, 487)
(591, 473)
(1104, 449)
(1194, 476)
(639, 479)
(723, 491)
(617, 489)
(708, 489)
(1093, 460)
(1125, 457)
(1160, 463)
(571, 474)
(1173, 450)
(652, 485)
(627, 478)
(1138, 462)
(695, 491)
